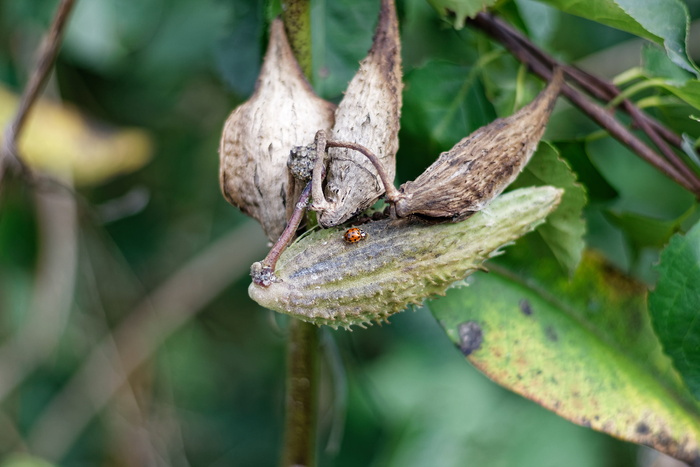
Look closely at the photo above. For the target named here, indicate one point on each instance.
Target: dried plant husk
(369, 115)
(283, 112)
(476, 170)
(323, 279)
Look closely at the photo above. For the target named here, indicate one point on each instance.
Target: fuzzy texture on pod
(323, 279)
(368, 115)
(282, 113)
(476, 170)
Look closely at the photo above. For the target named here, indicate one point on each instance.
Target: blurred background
(126, 333)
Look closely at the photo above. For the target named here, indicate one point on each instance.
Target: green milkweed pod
(283, 113)
(323, 279)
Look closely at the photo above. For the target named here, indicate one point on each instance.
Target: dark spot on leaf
(470, 337)
(585, 422)
(642, 428)
(525, 307)
(551, 334)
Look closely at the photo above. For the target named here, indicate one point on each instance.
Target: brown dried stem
(290, 230)
(669, 163)
(319, 200)
(9, 154)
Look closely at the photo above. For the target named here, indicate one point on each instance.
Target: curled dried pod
(324, 279)
(476, 170)
(282, 113)
(369, 115)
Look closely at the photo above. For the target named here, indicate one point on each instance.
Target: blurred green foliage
(212, 393)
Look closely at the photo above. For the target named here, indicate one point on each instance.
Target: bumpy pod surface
(477, 169)
(368, 115)
(325, 280)
(282, 113)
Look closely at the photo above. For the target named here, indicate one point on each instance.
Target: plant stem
(297, 23)
(300, 401)
(290, 230)
(302, 348)
(668, 162)
(37, 81)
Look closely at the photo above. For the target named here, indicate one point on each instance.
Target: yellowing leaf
(583, 349)
(59, 140)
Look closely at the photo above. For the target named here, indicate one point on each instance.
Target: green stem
(297, 23)
(300, 402)
(302, 348)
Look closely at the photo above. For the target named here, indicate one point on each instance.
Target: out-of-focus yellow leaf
(24, 460)
(60, 140)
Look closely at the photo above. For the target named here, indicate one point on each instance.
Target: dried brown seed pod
(323, 279)
(282, 113)
(478, 168)
(369, 115)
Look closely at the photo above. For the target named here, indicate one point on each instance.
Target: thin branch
(52, 298)
(165, 310)
(290, 230)
(603, 90)
(9, 154)
(542, 64)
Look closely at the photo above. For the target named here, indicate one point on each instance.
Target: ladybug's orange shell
(354, 235)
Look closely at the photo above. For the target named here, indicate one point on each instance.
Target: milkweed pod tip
(368, 115)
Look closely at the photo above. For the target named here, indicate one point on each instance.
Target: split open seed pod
(324, 279)
(476, 170)
(283, 113)
(369, 115)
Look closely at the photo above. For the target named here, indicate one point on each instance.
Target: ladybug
(354, 235)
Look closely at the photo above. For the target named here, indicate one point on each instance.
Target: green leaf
(643, 231)
(238, 54)
(642, 188)
(675, 305)
(664, 22)
(565, 227)
(457, 11)
(582, 348)
(437, 114)
(24, 460)
(342, 35)
(597, 188)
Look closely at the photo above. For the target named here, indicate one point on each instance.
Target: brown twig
(161, 313)
(9, 155)
(670, 163)
(290, 230)
(603, 90)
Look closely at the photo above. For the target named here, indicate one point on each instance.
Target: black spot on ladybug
(525, 307)
(642, 428)
(470, 337)
(551, 334)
